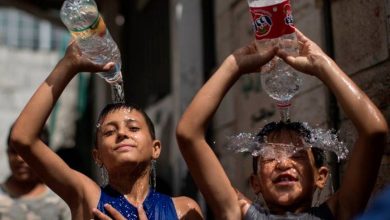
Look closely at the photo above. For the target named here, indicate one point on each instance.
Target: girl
(125, 147)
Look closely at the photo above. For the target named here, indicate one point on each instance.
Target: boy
(286, 184)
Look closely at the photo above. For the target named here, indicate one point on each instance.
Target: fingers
(116, 215)
(108, 66)
(269, 55)
(141, 213)
(100, 215)
(88, 66)
(282, 54)
(248, 49)
(300, 35)
(71, 41)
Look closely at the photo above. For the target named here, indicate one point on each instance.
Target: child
(125, 147)
(287, 183)
(23, 194)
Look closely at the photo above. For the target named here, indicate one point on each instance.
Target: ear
(255, 183)
(156, 149)
(96, 157)
(322, 176)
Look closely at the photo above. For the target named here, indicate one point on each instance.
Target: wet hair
(116, 106)
(44, 136)
(299, 127)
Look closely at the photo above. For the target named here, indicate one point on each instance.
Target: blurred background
(169, 48)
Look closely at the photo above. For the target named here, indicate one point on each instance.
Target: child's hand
(248, 59)
(79, 63)
(311, 58)
(117, 215)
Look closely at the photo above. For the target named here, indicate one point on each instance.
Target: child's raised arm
(67, 183)
(363, 165)
(203, 164)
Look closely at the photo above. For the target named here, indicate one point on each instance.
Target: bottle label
(272, 21)
(98, 27)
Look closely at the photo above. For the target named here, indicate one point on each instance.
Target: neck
(17, 188)
(134, 185)
(294, 208)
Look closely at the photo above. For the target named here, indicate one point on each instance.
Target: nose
(283, 163)
(122, 133)
(17, 158)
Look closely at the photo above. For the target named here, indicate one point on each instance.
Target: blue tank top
(157, 206)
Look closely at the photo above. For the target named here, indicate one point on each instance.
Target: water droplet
(117, 92)
(320, 138)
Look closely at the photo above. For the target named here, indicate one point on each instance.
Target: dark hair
(300, 128)
(116, 106)
(45, 137)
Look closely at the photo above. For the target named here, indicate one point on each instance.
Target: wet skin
(286, 180)
(124, 138)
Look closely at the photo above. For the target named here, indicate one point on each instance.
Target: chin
(287, 198)
(24, 177)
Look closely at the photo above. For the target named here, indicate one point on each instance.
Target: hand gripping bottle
(83, 20)
(273, 26)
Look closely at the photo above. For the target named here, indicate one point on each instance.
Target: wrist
(230, 65)
(327, 69)
(323, 65)
(68, 66)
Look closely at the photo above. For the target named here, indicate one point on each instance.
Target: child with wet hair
(286, 179)
(288, 148)
(125, 147)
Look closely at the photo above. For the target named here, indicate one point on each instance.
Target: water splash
(329, 141)
(117, 92)
(320, 138)
(243, 142)
(284, 110)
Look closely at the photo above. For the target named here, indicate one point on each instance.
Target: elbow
(183, 135)
(377, 135)
(186, 135)
(379, 131)
(18, 140)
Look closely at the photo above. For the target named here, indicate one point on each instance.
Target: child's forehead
(128, 114)
(285, 136)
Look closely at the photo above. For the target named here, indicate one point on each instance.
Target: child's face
(21, 171)
(124, 138)
(285, 178)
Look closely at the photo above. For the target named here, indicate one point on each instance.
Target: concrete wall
(22, 72)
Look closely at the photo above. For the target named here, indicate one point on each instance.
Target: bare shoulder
(187, 208)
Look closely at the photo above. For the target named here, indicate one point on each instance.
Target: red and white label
(272, 21)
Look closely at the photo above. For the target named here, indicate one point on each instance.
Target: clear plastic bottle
(273, 26)
(83, 20)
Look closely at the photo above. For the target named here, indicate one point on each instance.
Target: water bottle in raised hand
(83, 20)
(273, 26)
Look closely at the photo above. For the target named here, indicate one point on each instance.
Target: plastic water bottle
(274, 27)
(83, 20)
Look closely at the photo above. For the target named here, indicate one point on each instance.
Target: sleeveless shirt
(46, 206)
(321, 212)
(157, 206)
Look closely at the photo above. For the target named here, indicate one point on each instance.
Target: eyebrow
(114, 123)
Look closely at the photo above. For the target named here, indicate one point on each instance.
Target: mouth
(22, 170)
(285, 179)
(124, 147)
